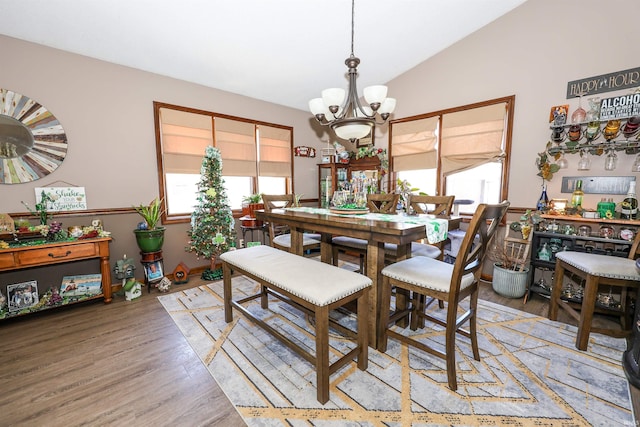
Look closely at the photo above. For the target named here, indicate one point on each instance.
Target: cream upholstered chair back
(443, 205)
(383, 203)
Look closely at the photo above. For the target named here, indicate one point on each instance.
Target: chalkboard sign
(598, 184)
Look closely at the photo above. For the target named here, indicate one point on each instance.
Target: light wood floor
(124, 363)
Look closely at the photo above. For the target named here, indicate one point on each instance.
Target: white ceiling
(282, 51)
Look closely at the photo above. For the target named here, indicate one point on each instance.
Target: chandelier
(348, 118)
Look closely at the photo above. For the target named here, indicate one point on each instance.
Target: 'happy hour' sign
(63, 198)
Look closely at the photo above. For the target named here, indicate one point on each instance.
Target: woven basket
(509, 283)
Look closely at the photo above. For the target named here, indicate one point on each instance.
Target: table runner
(436, 228)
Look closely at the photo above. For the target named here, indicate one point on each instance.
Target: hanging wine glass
(611, 160)
(594, 109)
(563, 163)
(585, 161)
(580, 115)
(636, 164)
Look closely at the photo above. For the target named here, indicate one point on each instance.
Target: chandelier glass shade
(342, 110)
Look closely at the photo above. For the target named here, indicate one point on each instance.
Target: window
(461, 151)
(256, 156)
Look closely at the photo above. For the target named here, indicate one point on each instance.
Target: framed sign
(604, 83)
(620, 107)
(63, 198)
(363, 142)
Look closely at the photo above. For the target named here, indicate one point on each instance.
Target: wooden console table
(58, 253)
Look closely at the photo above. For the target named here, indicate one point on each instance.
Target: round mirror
(32, 141)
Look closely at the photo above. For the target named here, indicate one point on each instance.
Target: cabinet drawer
(6, 260)
(57, 254)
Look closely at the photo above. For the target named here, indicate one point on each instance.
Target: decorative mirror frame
(49, 140)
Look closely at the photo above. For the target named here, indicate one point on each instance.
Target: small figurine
(132, 289)
(124, 269)
(164, 285)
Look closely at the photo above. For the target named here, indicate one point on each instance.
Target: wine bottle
(578, 194)
(629, 206)
(543, 201)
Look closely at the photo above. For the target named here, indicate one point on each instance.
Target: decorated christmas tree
(212, 226)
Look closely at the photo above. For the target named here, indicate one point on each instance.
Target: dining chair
(279, 234)
(377, 203)
(439, 280)
(424, 204)
(596, 270)
(421, 204)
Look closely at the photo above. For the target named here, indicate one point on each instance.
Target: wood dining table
(376, 229)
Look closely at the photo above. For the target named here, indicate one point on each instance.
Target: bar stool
(596, 270)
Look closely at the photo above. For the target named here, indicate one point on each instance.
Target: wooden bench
(313, 287)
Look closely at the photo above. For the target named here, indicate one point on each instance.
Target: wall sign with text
(63, 198)
(604, 83)
(620, 107)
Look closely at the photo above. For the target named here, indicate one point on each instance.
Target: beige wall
(107, 113)
(106, 109)
(532, 52)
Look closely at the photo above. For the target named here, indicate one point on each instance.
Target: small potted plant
(511, 256)
(150, 236)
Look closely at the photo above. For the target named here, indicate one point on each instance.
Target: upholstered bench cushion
(417, 249)
(313, 281)
(426, 272)
(307, 239)
(601, 265)
(350, 242)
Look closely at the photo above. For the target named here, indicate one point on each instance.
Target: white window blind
(236, 141)
(472, 137)
(184, 138)
(415, 144)
(274, 151)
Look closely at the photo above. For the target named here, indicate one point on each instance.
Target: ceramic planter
(150, 240)
(509, 283)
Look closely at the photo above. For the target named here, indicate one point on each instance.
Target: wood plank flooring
(125, 363)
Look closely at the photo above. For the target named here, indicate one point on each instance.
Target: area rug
(530, 373)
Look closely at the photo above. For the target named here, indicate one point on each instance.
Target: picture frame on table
(22, 295)
(81, 285)
(153, 271)
(366, 141)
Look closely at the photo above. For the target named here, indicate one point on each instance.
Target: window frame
(184, 217)
(509, 102)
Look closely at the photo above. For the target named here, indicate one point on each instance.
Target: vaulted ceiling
(281, 51)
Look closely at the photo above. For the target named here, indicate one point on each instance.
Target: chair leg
(473, 306)
(363, 330)
(335, 253)
(554, 300)
(383, 320)
(586, 312)
(450, 346)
